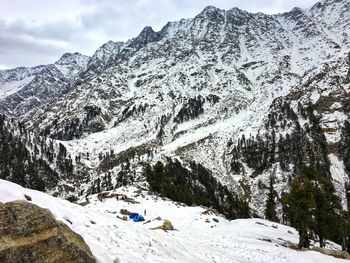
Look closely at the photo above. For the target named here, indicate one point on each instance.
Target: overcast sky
(34, 32)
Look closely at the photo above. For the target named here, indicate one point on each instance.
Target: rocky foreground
(29, 233)
(199, 235)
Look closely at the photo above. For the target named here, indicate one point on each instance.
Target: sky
(35, 32)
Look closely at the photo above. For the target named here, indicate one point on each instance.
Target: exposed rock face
(166, 226)
(25, 90)
(333, 253)
(29, 233)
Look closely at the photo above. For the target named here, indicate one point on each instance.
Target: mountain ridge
(193, 89)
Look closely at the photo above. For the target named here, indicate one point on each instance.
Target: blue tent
(136, 217)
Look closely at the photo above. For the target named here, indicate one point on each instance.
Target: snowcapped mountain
(26, 90)
(71, 65)
(18, 74)
(14, 79)
(238, 93)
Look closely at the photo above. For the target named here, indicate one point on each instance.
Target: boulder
(166, 226)
(29, 233)
(210, 211)
(333, 253)
(125, 212)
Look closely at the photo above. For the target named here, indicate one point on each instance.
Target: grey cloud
(26, 51)
(25, 48)
(27, 42)
(56, 30)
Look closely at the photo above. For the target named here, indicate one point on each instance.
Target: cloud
(18, 45)
(38, 33)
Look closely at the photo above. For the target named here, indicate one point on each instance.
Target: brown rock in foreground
(333, 253)
(29, 233)
(166, 226)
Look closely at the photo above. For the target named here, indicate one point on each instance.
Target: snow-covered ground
(194, 240)
(8, 88)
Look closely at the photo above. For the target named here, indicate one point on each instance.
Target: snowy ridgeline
(197, 237)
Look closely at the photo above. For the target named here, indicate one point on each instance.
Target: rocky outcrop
(29, 233)
(166, 226)
(333, 253)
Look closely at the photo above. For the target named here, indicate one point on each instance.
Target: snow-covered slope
(72, 64)
(27, 90)
(13, 80)
(18, 74)
(10, 87)
(194, 240)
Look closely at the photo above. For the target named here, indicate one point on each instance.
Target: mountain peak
(210, 11)
(69, 58)
(70, 64)
(210, 8)
(107, 49)
(146, 36)
(297, 10)
(325, 3)
(147, 30)
(235, 9)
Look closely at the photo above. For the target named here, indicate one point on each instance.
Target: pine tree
(313, 206)
(320, 216)
(270, 210)
(346, 222)
(300, 204)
